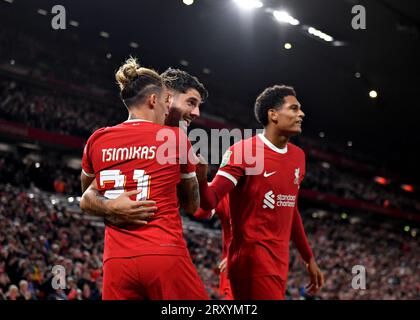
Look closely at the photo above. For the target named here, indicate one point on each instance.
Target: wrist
(311, 260)
(202, 181)
(202, 177)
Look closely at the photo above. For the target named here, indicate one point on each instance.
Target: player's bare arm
(298, 236)
(188, 194)
(201, 169)
(85, 181)
(218, 188)
(121, 211)
(316, 277)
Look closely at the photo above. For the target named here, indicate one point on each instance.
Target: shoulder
(96, 134)
(243, 143)
(295, 150)
(167, 130)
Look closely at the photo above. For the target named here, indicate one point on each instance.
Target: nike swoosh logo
(268, 174)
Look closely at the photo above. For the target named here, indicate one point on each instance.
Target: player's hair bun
(133, 79)
(128, 72)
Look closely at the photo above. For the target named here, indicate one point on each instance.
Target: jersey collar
(272, 146)
(136, 120)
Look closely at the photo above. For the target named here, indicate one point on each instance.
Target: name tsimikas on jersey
(128, 153)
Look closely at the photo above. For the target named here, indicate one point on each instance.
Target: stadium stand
(41, 225)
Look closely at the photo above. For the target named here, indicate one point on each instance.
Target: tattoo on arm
(93, 203)
(189, 195)
(195, 194)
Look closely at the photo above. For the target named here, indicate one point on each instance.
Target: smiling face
(288, 117)
(184, 107)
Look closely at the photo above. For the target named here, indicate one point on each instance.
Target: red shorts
(258, 288)
(152, 277)
(224, 288)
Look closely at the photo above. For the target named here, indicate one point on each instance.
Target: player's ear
(272, 114)
(170, 98)
(153, 100)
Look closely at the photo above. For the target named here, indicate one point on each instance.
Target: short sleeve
(87, 167)
(232, 166)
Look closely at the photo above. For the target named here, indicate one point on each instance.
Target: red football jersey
(124, 158)
(223, 211)
(262, 206)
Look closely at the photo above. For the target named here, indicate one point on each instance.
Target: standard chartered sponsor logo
(281, 200)
(286, 200)
(269, 200)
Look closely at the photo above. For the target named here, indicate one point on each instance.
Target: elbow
(83, 203)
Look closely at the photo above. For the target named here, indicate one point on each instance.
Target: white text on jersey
(128, 153)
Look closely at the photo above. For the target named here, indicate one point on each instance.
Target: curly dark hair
(181, 81)
(271, 97)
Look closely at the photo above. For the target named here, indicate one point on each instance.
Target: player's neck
(279, 141)
(140, 115)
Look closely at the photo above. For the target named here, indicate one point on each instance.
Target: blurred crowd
(63, 112)
(54, 111)
(326, 178)
(35, 235)
(388, 256)
(50, 174)
(38, 231)
(50, 55)
(26, 171)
